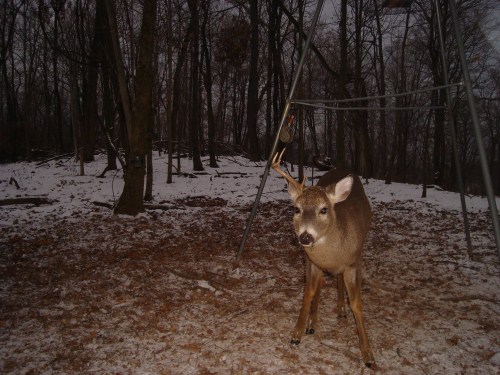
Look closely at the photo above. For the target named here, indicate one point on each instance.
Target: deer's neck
(331, 252)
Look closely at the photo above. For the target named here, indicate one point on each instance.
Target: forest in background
(204, 77)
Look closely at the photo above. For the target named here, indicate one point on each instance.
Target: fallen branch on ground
(210, 283)
(68, 155)
(146, 206)
(162, 207)
(13, 181)
(227, 173)
(37, 201)
(103, 204)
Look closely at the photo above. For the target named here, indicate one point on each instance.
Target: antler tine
(290, 179)
(277, 160)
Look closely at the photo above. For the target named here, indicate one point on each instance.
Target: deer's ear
(341, 190)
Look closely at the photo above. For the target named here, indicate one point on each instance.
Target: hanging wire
(407, 93)
(319, 105)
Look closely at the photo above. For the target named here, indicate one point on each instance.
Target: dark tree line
(207, 77)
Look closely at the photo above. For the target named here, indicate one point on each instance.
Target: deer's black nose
(306, 239)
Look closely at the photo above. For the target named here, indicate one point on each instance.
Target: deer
(331, 221)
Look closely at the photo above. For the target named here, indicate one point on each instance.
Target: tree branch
(313, 47)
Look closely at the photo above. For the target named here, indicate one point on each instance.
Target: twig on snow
(13, 181)
(192, 277)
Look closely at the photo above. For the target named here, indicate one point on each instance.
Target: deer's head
(314, 216)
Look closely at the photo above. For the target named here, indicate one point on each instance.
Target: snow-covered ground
(84, 291)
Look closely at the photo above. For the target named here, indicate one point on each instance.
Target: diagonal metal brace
(307, 44)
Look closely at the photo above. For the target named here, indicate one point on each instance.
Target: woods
(203, 78)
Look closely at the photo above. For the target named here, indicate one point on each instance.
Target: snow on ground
(83, 291)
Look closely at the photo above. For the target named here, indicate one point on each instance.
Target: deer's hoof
(371, 365)
(310, 331)
(295, 341)
(369, 360)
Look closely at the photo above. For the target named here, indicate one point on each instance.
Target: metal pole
(283, 120)
(475, 122)
(451, 124)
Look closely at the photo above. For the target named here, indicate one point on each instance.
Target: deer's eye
(324, 211)
(296, 210)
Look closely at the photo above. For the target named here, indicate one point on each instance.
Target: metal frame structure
(472, 108)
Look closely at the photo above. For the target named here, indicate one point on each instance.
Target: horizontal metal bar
(428, 89)
(321, 106)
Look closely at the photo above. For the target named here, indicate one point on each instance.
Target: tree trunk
(55, 71)
(195, 121)
(76, 120)
(300, 93)
(398, 151)
(148, 194)
(363, 162)
(271, 46)
(252, 141)
(9, 128)
(382, 144)
(176, 92)
(438, 99)
(208, 88)
(138, 118)
(425, 168)
(90, 95)
(170, 89)
(340, 140)
(108, 118)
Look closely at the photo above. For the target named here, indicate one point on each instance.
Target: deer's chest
(328, 258)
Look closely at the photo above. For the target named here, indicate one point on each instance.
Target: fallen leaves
(158, 294)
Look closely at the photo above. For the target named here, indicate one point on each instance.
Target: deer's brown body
(331, 221)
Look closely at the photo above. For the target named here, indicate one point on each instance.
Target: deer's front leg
(313, 314)
(314, 277)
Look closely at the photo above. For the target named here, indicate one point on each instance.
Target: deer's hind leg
(352, 279)
(341, 313)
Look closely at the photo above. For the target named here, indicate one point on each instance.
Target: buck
(331, 221)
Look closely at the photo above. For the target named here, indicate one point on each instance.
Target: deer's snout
(306, 239)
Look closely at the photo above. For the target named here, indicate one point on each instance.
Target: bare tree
(340, 136)
(252, 140)
(195, 118)
(137, 110)
(207, 79)
(176, 93)
(9, 125)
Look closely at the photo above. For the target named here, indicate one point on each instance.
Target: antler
(290, 179)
